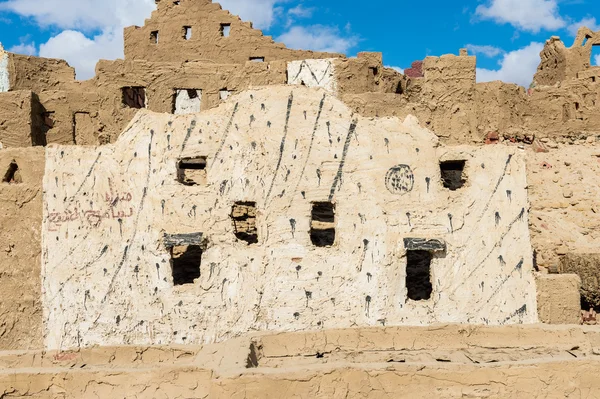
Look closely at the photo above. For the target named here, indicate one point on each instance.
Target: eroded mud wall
(200, 30)
(21, 171)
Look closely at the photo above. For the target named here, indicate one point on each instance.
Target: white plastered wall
(107, 277)
(4, 77)
(313, 73)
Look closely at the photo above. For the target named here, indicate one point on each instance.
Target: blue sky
(506, 35)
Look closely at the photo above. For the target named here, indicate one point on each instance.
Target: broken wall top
(189, 30)
(559, 63)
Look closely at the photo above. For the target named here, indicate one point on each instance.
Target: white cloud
(398, 69)
(589, 22)
(262, 13)
(84, 15)
(301, 11)
(528, 15)
(597, 60)
(318, 38)
(488, 51)
(517, 66)
(82, 52)
(24, 48)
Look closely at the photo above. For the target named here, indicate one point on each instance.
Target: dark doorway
(418, 275)
(185, 261)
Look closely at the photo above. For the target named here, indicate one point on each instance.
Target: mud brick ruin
(220, 216)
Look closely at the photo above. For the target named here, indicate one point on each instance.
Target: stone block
(559, 299)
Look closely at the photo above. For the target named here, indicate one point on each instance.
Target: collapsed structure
(215, 183)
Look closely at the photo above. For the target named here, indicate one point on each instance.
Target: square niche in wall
(187, 101)
(243, 215)
(134, 97)
(191, 171)
(453, 174)
(322, 224)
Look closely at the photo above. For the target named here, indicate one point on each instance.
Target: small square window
(12, 174)
(134, 97)
(418, 275)
(187, 101)
(225, 30)
(322, 226)
(191, 171)
(187, 32)
(154, 37)
(453, 176)
(224, 94)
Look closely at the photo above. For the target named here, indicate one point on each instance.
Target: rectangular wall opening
(187, 101)
(595, 56)
(322, 225)
(154, 37)
(224, 94)
(225, 30)
(453, 177)
(243, 215)
(418, 275)
(187, 32)
(134, 97)
(192, 171)
(12, 174)
(257, 59)
(185, 263)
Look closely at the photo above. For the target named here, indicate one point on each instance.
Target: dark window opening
(576, 106)
(322, 227)
(585, 40)
(134, 97)
(185, 263)
(225, 30)
(187, 32)
(374, 70)
(191, 171)
(418, 275)
(154, 37)
(453, 176)
(257, 59)
(244, 222)
(12, 175)
(593, 79)
(176, 2)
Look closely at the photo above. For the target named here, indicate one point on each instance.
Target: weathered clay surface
(111, 281)
(564, 191)
(440, 361)
(20, 251)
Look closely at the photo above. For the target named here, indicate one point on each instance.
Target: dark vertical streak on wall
(187, 136)
(338, 176)
(282, 145)
(225, 134)
(497, 245)
(135, 224)
(312, 140)
(87, 176)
